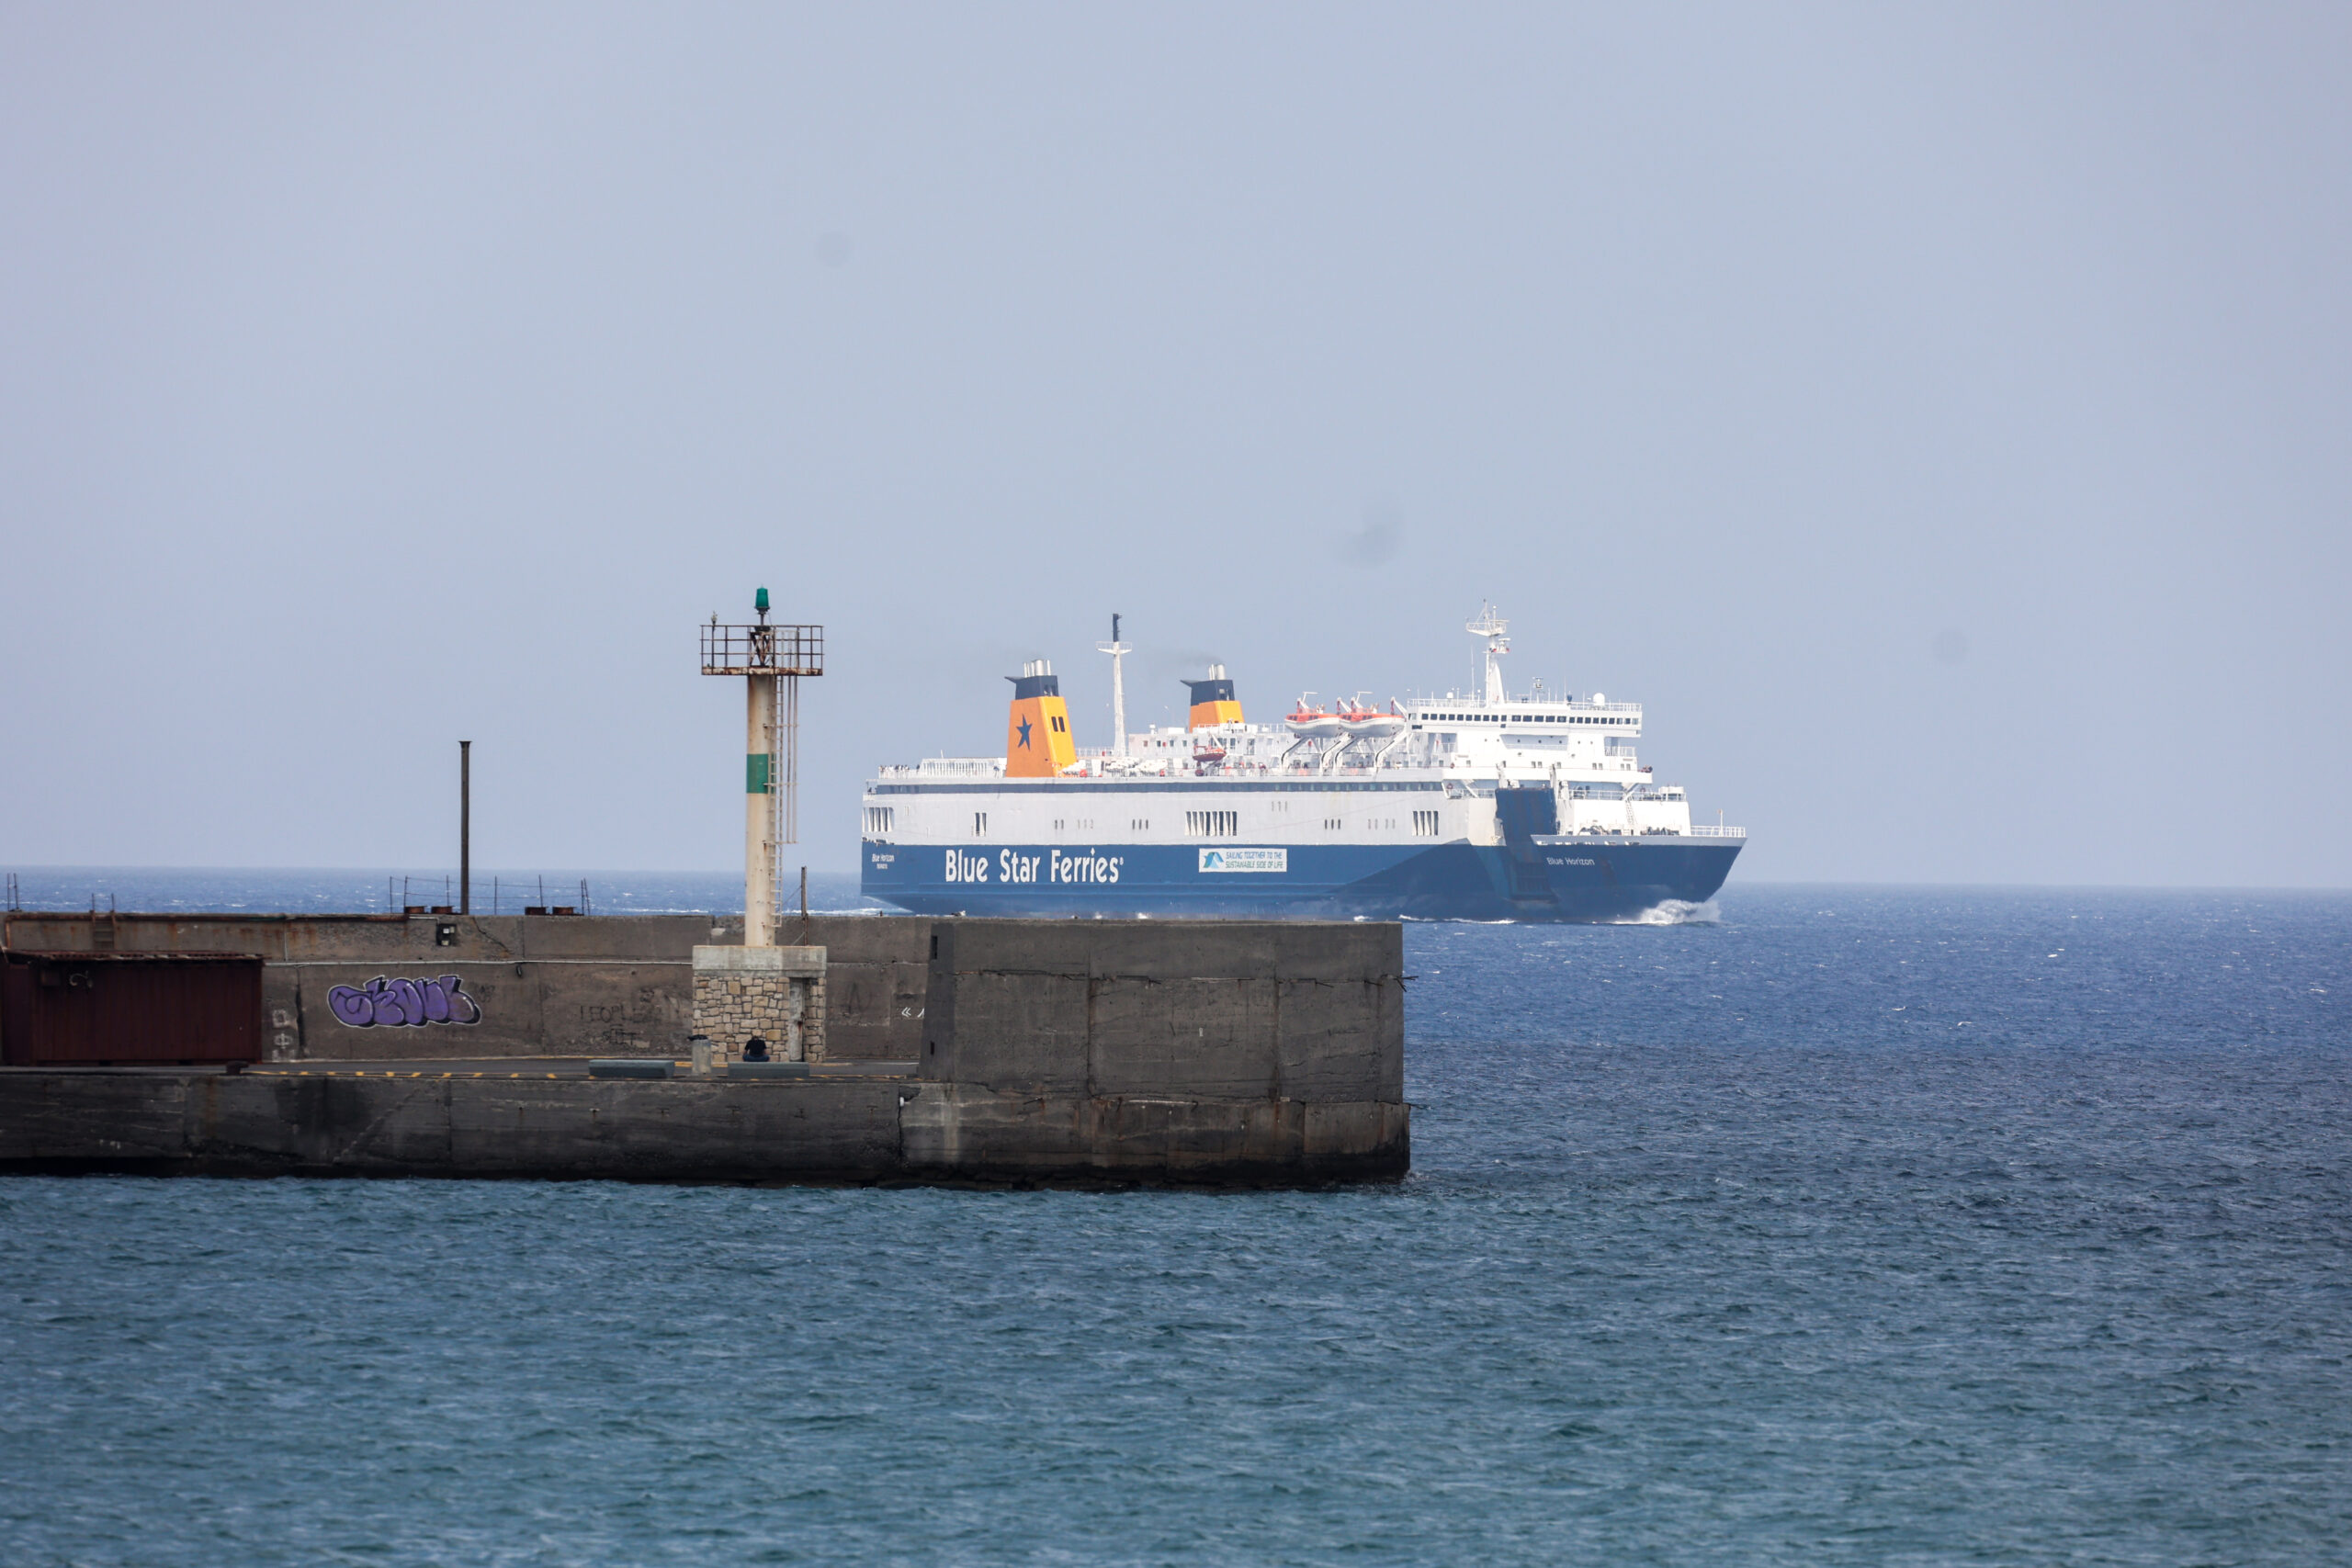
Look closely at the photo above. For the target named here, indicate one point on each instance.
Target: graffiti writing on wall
(403, 1003)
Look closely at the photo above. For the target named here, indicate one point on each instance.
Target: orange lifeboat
(1369, 723)
(1314, 723)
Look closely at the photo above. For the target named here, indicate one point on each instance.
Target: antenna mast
(1118, 651)
(1492, 626)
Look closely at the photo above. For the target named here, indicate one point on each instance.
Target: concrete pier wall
(273, 1124)
(1196, 1046)
(1225, 1008)
(541, 986)
(873, 1129)
(1234, 1053)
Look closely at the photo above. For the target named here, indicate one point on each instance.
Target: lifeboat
(1369, 723)
(1314, 724)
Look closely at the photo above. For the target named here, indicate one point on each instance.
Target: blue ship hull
(1535, 879)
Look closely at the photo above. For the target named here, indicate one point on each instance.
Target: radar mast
(1492, 626)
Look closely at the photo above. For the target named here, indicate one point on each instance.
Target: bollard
(700, 1048)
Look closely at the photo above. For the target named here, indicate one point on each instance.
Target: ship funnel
(1213, 700)
(1037, 743)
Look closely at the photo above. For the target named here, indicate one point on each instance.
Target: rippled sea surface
(1853, 1226)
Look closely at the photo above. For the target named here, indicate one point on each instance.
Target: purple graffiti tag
(388, 1003)
(398, 1003)
(351, 1006)
(412, 1003)
(462, 1008)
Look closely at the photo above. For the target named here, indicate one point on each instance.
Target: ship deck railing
(1546, 701)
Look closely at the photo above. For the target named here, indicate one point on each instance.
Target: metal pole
(790, 718)
(464, 826)
(759, 807)
(1117, 650)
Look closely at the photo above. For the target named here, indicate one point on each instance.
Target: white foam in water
(1676, 913)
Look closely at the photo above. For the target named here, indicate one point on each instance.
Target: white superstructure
(1320, 776)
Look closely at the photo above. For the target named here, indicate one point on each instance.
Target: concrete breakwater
(947, 1049)
(523, 985)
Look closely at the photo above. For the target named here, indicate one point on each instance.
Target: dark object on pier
(88, 1008)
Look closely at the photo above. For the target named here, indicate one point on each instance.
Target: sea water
(1821, 1226)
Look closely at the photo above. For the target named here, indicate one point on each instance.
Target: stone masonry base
(776, 993)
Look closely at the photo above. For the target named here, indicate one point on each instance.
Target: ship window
(880, 819)
(979, 824)
(1425, 824)
(1212, 824)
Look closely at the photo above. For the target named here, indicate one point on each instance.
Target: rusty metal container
(129, 1007)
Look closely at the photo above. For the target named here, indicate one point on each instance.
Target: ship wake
(1676, 913)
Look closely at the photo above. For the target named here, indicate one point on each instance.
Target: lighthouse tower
(770, 659)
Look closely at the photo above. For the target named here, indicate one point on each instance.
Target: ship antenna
(1492, 628)
(1118, 651)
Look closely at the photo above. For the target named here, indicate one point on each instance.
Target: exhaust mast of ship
(1492, 628)
(1118, 651)
(1213, 700)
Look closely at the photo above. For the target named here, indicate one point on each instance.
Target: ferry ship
(1480, 806)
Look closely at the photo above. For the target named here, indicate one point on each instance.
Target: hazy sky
(1937, 415)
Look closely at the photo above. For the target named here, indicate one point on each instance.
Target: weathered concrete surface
(1227, 1008)
(962, 1130)
(812, 1129)
(877, 970)
(1231, 1052)
(545, 985)
(257, 1124)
